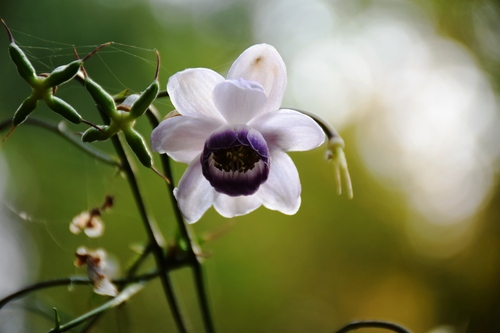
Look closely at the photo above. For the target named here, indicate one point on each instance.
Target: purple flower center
(235, 160)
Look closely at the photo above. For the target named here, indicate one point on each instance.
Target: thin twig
(76, 280)
(62, 131)
(171, 263)
(44, 285)
(124, 296)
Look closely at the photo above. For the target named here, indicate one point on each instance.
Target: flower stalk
(186, 234)
(335, 153)
(155, 238)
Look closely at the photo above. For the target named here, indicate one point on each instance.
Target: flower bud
(138, 146)
(104, 100)
(23, 65)
(145, 99)
(24, 110)
(64, 109)
(93, 134)
(63, 74)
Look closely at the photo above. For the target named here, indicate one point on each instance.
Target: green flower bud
(148, 96)
(23, 65)
(63, 74)
(101, 97)
(24, 110)
(63, 108)
(93, 134)
(138, 146)
(145, 99)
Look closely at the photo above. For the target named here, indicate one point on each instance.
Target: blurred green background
(413, 88)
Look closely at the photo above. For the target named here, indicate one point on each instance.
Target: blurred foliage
(333, 262)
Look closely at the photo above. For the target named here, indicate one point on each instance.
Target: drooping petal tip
(336, 155)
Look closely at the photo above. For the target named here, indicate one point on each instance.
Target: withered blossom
(96, 265)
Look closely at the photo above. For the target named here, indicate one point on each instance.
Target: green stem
(62, 131)
(372, 324)
(187, 234)
(125, 295)
(154, 236)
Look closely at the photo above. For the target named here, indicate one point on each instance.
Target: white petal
(282, 189)
(191, 92)
(236, 206)
(289, 130)
(105, 287)
(97, 228)
(194, 194)
(239, 100)
(262, 63)
(183, 137)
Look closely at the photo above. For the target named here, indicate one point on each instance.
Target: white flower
(234, 137)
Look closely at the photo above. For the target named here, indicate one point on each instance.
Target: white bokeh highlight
(424, 112)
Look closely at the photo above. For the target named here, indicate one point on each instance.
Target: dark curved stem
(75, 280)
(44, 285)
(186, 234)
(372, 324)
(171, 263)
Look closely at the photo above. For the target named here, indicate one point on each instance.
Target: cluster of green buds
(44, 86)
(122, 117)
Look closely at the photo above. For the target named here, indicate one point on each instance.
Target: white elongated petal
(194, 194)
(191, 92)
(282, 189)
(183, 137)
(263, 64)
(236, 206)
(289, 130)
(239, 100)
